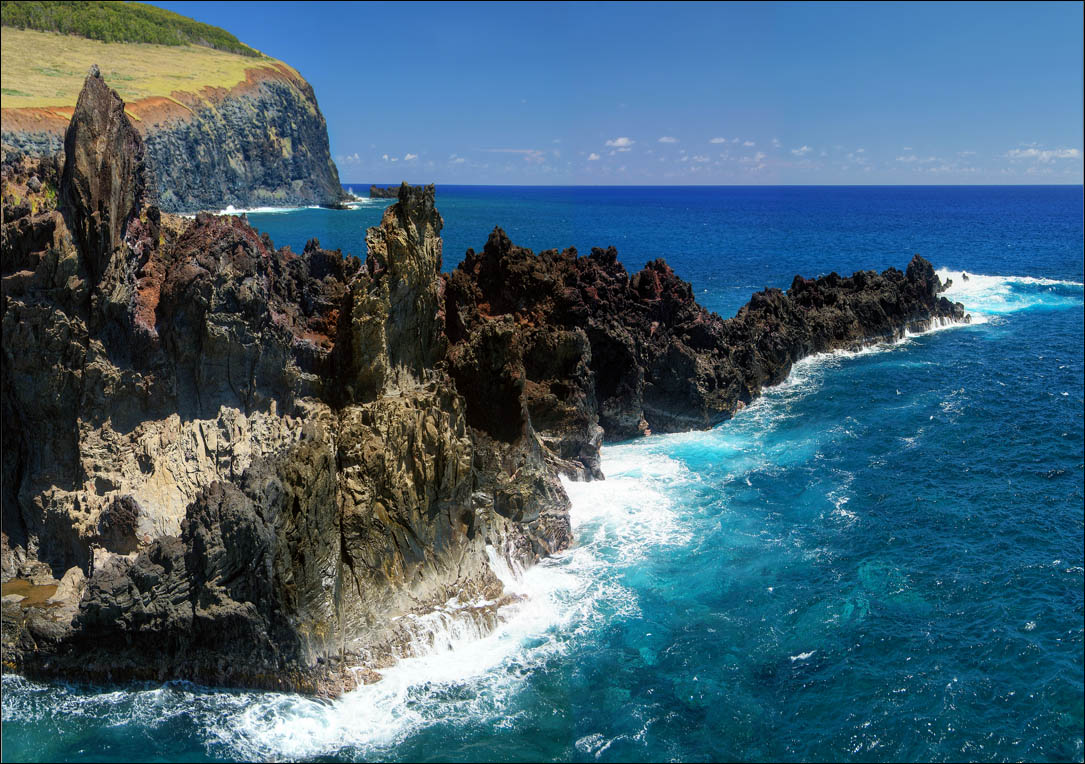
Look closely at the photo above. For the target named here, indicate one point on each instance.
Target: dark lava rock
(240, 465)
(584, 345)
(388, 192)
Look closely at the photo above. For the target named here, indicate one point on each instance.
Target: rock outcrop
(255, 457)
(263, 142)
(240, 465)
(591, 352)
(388, 192)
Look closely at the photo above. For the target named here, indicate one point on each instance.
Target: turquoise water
(881, 559)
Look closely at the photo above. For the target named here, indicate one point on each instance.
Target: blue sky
(644, 93)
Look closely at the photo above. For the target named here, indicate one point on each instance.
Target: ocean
(880, 559)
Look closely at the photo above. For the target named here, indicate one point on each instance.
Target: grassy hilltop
(119, 22)
(142, 51)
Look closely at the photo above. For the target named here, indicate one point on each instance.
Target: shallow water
(880, 559)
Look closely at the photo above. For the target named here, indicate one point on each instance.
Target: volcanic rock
(241, 465)
(592, 353)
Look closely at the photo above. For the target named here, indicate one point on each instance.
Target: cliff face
(262, 142)
(241, 465)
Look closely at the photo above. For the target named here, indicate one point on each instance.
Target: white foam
(232, 210)
(984, 295)
(462, 672)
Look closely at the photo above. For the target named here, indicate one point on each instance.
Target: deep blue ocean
(879, 560)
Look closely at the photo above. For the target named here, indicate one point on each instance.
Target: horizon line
(727, 185)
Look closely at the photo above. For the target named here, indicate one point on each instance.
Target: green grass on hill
(119, 22)
(43, 69)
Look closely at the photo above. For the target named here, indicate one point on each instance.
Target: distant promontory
(222, 123)
(389, 192)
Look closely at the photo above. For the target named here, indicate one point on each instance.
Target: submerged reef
(246, 466)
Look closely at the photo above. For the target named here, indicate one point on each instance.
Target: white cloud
(755, 159)
(621, 142)
(456, 159)
(700, 158)
(530, 155)
(907, 148)
(1043, 155)
(592, 157)
(384, 157)
(776, 143)
(718, 140)
(803, 151)
(409, 157)
(668, 139)
(748, 144)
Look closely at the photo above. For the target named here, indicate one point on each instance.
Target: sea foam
(998, 295)
(232, 210)
(460, 674)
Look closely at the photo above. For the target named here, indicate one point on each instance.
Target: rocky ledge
(246, 466)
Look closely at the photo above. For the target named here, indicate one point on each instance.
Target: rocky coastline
(245, 466)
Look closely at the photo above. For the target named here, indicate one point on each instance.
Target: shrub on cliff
(119, 22)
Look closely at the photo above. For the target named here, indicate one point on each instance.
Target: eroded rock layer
(241, 465)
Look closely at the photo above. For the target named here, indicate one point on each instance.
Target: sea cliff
(237, 130)
(241, 465)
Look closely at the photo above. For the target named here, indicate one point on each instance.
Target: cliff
(232, 130)
(241, 465)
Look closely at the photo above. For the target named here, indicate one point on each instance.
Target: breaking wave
(999, 295)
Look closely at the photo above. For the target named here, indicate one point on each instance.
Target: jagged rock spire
(406, 249)
(103, 184)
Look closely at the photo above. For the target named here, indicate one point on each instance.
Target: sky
(679, 94)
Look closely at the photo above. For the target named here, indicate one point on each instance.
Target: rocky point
(247, 466)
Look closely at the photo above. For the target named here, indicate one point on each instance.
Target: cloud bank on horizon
(686, 93)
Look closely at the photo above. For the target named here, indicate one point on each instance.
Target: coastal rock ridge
(246, 466)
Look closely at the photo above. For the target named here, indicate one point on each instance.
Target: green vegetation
(119, 22)
(44, 69)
